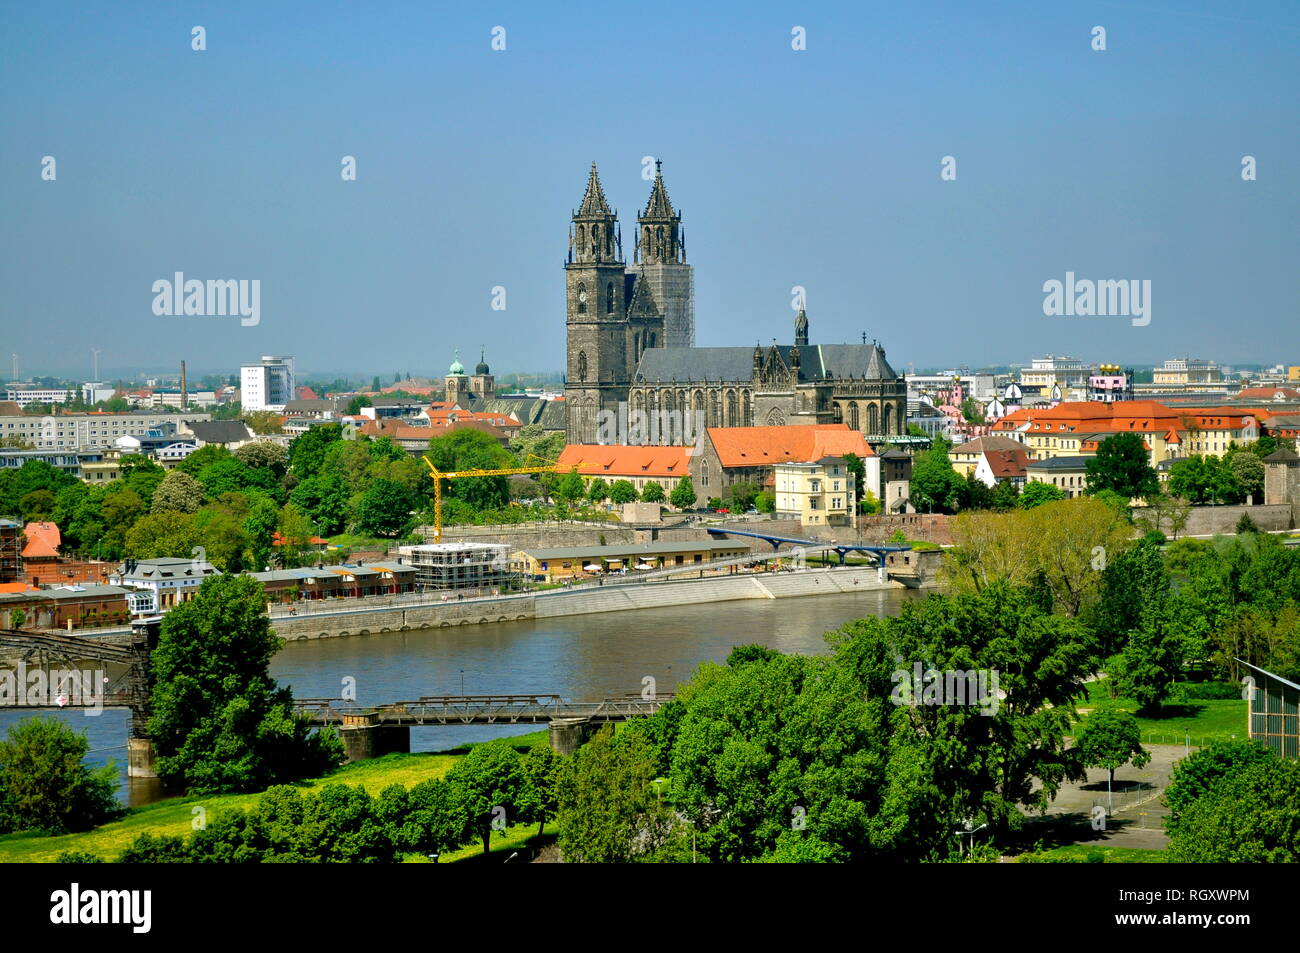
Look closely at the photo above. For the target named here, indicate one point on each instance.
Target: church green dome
(457, 369)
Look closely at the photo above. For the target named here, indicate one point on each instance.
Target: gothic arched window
(873, 424)
(731, 410)
(652, 339)
(660, 251)
(582, 365)
(582, 298)
(713, 408)
(746, 416)
(609, 298)
(837, 413)
(853, 417)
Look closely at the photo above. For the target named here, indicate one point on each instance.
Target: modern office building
(268, 385)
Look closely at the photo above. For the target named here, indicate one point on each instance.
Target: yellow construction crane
(439, 476)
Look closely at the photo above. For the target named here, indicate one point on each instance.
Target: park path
(1137, 816)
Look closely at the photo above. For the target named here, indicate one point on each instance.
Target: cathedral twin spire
(596, 237)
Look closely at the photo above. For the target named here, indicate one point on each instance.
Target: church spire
(594, 236)
(659, 227)
(593, 200)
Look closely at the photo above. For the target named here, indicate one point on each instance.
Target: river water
(583, 658)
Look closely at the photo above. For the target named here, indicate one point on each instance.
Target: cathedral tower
(596, 290)
(660, 259)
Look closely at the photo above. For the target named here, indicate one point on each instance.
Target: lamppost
(965, 829)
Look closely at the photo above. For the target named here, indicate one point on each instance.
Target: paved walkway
(1136, 818)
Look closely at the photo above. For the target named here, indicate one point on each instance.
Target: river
(584, 657)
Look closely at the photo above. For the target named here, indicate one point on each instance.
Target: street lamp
(967, 828)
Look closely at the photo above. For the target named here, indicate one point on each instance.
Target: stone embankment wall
(583, 601)
(1207, 520)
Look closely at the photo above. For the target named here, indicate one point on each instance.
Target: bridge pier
(364, 737)
(139, 758)
(569, 734)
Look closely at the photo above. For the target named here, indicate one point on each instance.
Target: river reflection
(580, 657)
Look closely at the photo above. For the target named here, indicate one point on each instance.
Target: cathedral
(631, 340)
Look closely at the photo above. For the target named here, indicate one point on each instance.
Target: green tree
(1037, 493)
(307, 450)
(1248, 473)
(570, 488)
(45, 784)
(385, 510)
(541, 766)
(765, 502)
(1122, 463)
(974, 494)
(356, 403)
(935, 484)
(741, 495)
(264, 455)
(1196, 775)
(604, 799)
(1246, 525)
(598, 491)
(1247, 817)
(38, 505)
(219, 722)
(1110, 738)
(1006, 496)
(683, 496)
(157, 535)
(653, 492)
(622, 491)
(473, 450)
(296, 532)
(178, 493)
(494, 785)
(325, 499)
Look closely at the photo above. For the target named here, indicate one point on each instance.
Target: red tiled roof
(761, 446)
(1008, 463)
(625, 461)
(43, 541)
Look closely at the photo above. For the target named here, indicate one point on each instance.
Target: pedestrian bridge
(878, 550)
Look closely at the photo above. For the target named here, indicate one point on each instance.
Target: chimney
(185, 400)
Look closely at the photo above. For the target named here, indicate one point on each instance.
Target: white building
(22, 396)
(268, 385)
(170, 581)
(85, 431)
(92, 392)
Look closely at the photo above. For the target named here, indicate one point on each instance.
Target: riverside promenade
(323, 621)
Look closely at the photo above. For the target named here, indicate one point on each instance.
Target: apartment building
(85, 431)
(816, 492)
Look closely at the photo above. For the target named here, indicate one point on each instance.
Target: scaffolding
(461, 567)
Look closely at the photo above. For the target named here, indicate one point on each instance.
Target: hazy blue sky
(817, 168)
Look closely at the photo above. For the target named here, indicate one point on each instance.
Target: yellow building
(102, 471)
(582, 562)
(817, 493)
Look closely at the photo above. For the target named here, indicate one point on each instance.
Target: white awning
(591, 567)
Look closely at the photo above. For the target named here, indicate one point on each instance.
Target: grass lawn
(175, 815)
(1204, 720)
(1079, 854)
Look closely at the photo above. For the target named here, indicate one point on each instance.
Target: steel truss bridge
(443, 710)
(67, 662)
